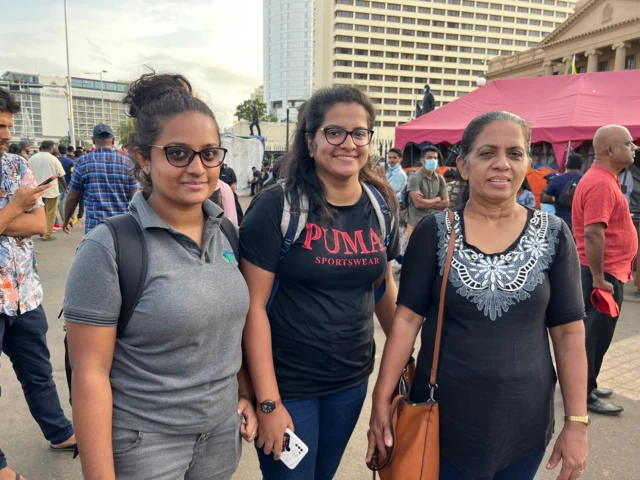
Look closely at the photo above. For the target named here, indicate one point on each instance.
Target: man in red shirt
(607, 244)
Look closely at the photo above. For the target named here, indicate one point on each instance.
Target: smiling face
(340, 161)
(497, 163)
(193, 184)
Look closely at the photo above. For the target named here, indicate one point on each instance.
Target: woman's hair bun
(151, 87)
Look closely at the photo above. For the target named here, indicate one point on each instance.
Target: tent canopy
(560, 109)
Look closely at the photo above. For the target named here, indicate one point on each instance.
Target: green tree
(124, 130)
(244, 111)
(65, 141)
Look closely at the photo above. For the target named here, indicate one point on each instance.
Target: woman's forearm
(245, 387)
(571, 360)
(92, 414)
(259, 355)
(386, 307)
(397, 351)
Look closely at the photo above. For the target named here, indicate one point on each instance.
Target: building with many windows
(391, 49)
(602, 36)
(288, 54)
(45, 112)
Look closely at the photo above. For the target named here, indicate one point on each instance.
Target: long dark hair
(300, 168)
(154, 98)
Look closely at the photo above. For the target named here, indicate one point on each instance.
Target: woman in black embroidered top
(514, 279)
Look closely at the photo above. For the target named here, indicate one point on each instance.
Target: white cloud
(216, 44)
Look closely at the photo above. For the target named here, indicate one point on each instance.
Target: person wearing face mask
(396, 176)
(427, 190)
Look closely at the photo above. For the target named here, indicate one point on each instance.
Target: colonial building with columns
(601, 36)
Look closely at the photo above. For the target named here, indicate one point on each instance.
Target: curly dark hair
(8, 103)
(300, 168)
(152, 99)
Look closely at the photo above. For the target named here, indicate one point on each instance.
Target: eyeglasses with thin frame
(181, 157)
(337, 136)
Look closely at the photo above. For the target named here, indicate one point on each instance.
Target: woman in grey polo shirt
(167, 399)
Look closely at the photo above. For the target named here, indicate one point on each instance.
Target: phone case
(293, 449)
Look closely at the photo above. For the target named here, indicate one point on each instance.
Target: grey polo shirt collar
(148, 218)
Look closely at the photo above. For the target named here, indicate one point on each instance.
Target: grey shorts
(208, 456)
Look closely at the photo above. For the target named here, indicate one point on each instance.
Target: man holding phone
(23, 323)
(45, 166)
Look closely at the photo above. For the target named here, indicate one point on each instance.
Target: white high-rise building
(288, 54)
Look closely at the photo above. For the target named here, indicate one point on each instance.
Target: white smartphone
(293, 449)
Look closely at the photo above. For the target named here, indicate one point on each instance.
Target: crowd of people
(245, 333)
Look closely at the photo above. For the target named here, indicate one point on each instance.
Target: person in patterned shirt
(23, 323)
(104, 178)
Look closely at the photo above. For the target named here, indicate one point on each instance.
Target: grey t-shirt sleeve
(92, 294)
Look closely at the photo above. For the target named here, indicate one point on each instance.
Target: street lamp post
(101, 88)
(72, 135)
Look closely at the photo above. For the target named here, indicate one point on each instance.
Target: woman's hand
(271, 430)
(572, 448)
(249, 427)
(379, 430)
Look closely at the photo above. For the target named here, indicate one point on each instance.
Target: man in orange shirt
(607, 244)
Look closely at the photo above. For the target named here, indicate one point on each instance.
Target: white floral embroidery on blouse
(495, 282)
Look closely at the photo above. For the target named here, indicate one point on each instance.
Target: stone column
(548, 68)
(592, 60)
(621, 55)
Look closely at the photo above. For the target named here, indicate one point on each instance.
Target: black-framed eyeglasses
(337, 136)
(181, 157)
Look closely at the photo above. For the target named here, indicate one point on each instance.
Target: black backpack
(132, 261)
(568, 192)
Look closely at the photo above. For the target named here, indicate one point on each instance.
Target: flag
(572, 66)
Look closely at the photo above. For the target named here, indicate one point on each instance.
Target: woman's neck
(341, 192)
(180, 217)
(506, 210)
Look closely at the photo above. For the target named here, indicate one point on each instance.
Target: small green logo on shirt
(229, 257)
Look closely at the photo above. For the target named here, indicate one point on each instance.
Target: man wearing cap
(103, 178)
(44, 166)
(607, 244)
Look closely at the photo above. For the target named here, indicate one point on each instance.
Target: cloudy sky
(216, 44)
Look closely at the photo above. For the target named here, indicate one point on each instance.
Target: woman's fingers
(372, 446)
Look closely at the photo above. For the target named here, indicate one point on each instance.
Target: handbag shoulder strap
(443, 290)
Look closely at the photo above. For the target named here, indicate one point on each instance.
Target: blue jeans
(524, 468)
(24, 340)
(325, 425)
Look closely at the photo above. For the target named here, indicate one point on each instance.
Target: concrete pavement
(614, 442)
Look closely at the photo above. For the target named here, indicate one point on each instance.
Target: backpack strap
(230, 231)
(294, 219)
(132, 262)
(382, 212)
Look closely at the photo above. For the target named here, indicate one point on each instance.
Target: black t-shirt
(322, 316)
(228, 176)
(496, 378)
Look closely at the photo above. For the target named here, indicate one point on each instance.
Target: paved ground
(614, 442)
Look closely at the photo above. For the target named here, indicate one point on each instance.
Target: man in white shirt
(44, 166)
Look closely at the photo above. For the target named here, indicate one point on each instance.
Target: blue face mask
(431, 165)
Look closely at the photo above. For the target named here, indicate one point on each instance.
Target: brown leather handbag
(415, 427)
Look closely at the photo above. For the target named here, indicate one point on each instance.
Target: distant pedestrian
(525, 196)
(457, 187)
(25, 150)
(427, 190)
(228, 176)
(68, 166)
(23, 323)
(396, 176)
(104, 179)
(255, 120)
(255, 179)
(561, 189)
(607, 243)
(44, 166)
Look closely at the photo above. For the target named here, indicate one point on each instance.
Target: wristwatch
(269, 406)
(586, 420)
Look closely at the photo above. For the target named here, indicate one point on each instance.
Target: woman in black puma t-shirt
(311, 354)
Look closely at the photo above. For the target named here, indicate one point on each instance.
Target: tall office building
(45, 114)
(392, 49)
(288, 54)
